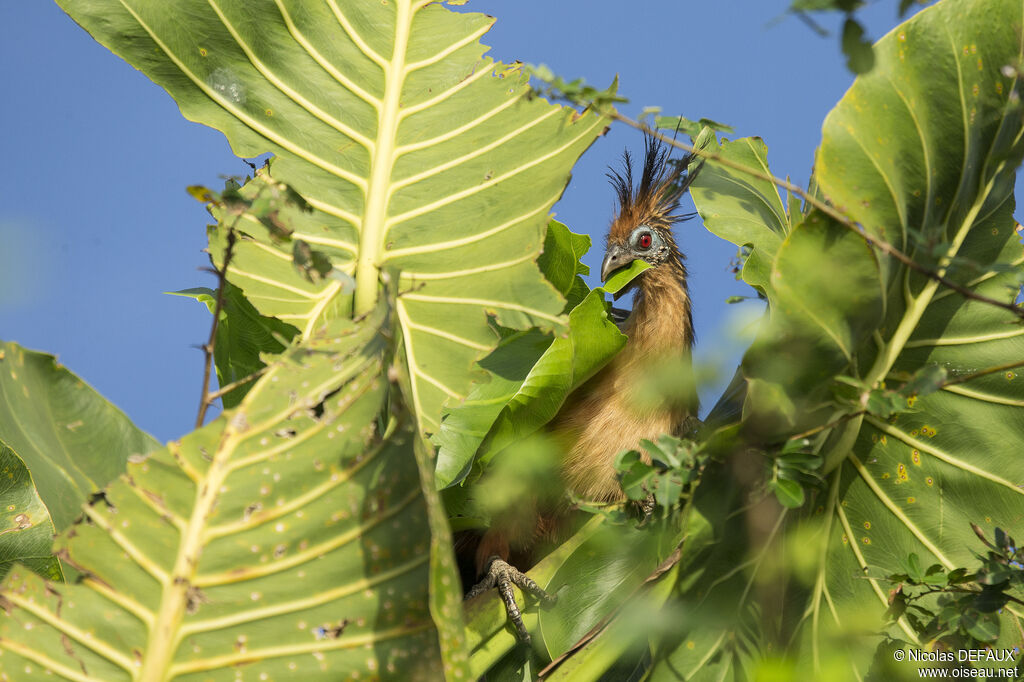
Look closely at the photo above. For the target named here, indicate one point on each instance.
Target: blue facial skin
(647, 244)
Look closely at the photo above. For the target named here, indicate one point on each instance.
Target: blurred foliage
(964, 613)
(860, 56)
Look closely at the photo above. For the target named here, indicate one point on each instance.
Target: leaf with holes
(921, 152)
(415, 151)
(298, 535)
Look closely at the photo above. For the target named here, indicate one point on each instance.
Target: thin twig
(224, 390)
(207, 398)
(825, 208)
(832, 424)
(965, 590)
(990, 370)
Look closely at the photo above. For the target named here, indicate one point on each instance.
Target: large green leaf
(298, 535)
(914, 483)
(921, 152)
(817, 320)
(531, 375)
(592, 340)
(465, 425)
(416, 152)
(72, 440)
(26, 531)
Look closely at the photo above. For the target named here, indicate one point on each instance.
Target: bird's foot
(502, 575)
(646, 507)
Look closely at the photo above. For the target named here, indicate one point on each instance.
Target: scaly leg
(502, 575)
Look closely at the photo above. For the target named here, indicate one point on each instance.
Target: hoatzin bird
(603, 417)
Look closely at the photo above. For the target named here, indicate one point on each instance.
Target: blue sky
(95, 222)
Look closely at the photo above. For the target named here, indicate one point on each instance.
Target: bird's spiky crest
(655, 201)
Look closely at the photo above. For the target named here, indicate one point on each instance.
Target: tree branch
(822, 206)
(207, 398)
(825, 427)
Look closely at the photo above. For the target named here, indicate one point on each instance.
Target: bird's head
(642, 227)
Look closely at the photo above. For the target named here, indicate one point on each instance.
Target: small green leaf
(622, 277)
(691, 128)
(789, 493)
(928, 379)
(860, 56)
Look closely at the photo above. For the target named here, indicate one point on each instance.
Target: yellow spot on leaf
(867, 525)
(929, 481)
(915, 456)
(203, 52)
(269, 112)
(901, 473)
(911, 500)
(885, 475)
(866, 540)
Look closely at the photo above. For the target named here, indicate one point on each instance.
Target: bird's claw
(502, 575)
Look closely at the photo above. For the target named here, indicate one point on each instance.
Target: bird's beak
(616, 257)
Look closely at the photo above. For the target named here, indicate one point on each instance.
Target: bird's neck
(662, 317)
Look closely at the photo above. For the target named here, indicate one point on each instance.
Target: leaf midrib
(371, 242)
(919, 305)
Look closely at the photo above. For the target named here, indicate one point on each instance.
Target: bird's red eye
(644, 241)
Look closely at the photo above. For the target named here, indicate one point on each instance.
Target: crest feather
(655, 200)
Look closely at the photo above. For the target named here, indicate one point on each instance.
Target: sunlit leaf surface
(292, 537)
(415, 151)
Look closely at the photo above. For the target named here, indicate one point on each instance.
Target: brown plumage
(603, 417)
